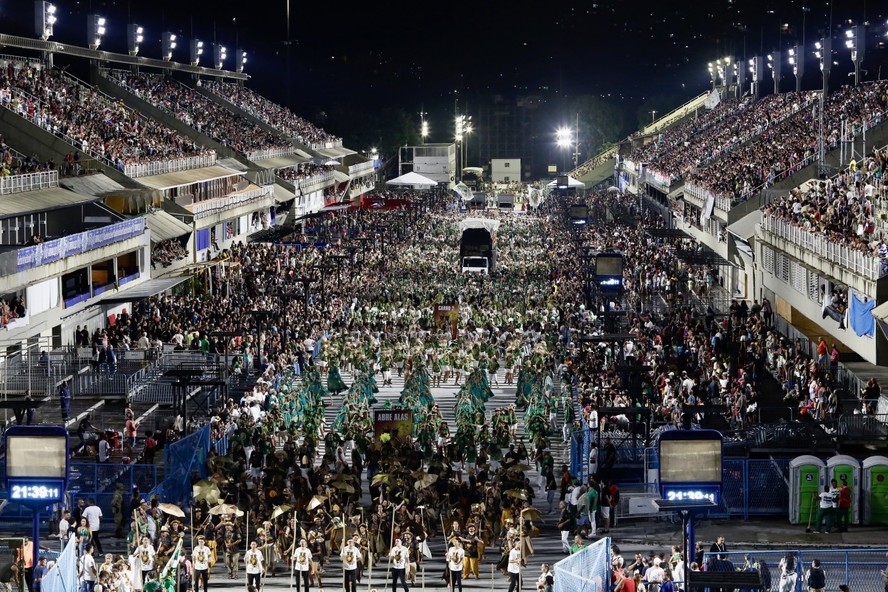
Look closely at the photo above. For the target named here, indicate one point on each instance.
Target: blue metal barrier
(859, 568)
(182, 459)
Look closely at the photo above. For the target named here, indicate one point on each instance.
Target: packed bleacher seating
(747, 122)
(845, 208)
(94, 123)
(201, 113)
(687, 129)
(167, 252)
(13, 162)
(277, 116)
(301, 172)
(791, 145)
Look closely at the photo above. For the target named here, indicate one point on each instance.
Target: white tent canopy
(411, 179)
(487, 224)
(571, 182)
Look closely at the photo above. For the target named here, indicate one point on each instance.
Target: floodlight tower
(197, 48)
(796, 58)
(776, 67)
(855, 40)
(95, 30)
(168, 44)
(134, 37)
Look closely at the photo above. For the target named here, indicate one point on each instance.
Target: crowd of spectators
(13, 162)
(738, 126)
(167, 252)
(715, 358)
(845, 208)
(94, 123)
(198, 111)
(685, 130)
(296, 174)
(11, 308)
(277, 116)
(793, 144)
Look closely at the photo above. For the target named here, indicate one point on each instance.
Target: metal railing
(172, 165)
(202, 209)
(267, 153)
(28, 182)
(26, 258)
(313, 182)
(357, 169)
(859, 568)
(823, 247)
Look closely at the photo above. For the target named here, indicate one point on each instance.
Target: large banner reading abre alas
(396, 423)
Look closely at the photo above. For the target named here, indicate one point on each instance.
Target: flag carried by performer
(173, 563)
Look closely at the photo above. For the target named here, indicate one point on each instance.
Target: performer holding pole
(255, 566)
(349, 555)
(398, 563)
(200, 560)
(302, 564)
(292, 551)
(455, 557)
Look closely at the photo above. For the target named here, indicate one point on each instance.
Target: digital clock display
(685, 495)
(35, 492)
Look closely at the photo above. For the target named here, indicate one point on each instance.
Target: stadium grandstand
(187, 265)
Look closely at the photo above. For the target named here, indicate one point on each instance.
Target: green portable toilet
(806, 475)
(875, 491)
(846, 469)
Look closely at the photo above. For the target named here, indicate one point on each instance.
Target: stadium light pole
(45, 16)
(95, 30)
(459, 129)
(563, 137)
(823, 52)
(423, 126)
(468, 129)
(776, 68)
(797, 61)
(134, 38)
(168, 44)
(855, 40)
(196, 51)
(219, 55)
(241, 61)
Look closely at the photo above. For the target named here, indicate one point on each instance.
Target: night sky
(417, 55)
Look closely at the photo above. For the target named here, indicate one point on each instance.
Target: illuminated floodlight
(95, 30)
(168, 43)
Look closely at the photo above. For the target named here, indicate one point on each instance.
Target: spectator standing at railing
(65, 401)
(823, 354)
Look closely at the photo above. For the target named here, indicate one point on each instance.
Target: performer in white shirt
(398, 556)
(302, 564)
(349, 555)
(455, 556)
(145, 554)
(255, 564)
(200, 561)
(514, 568)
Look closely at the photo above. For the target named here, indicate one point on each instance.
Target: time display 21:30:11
(37, 492)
